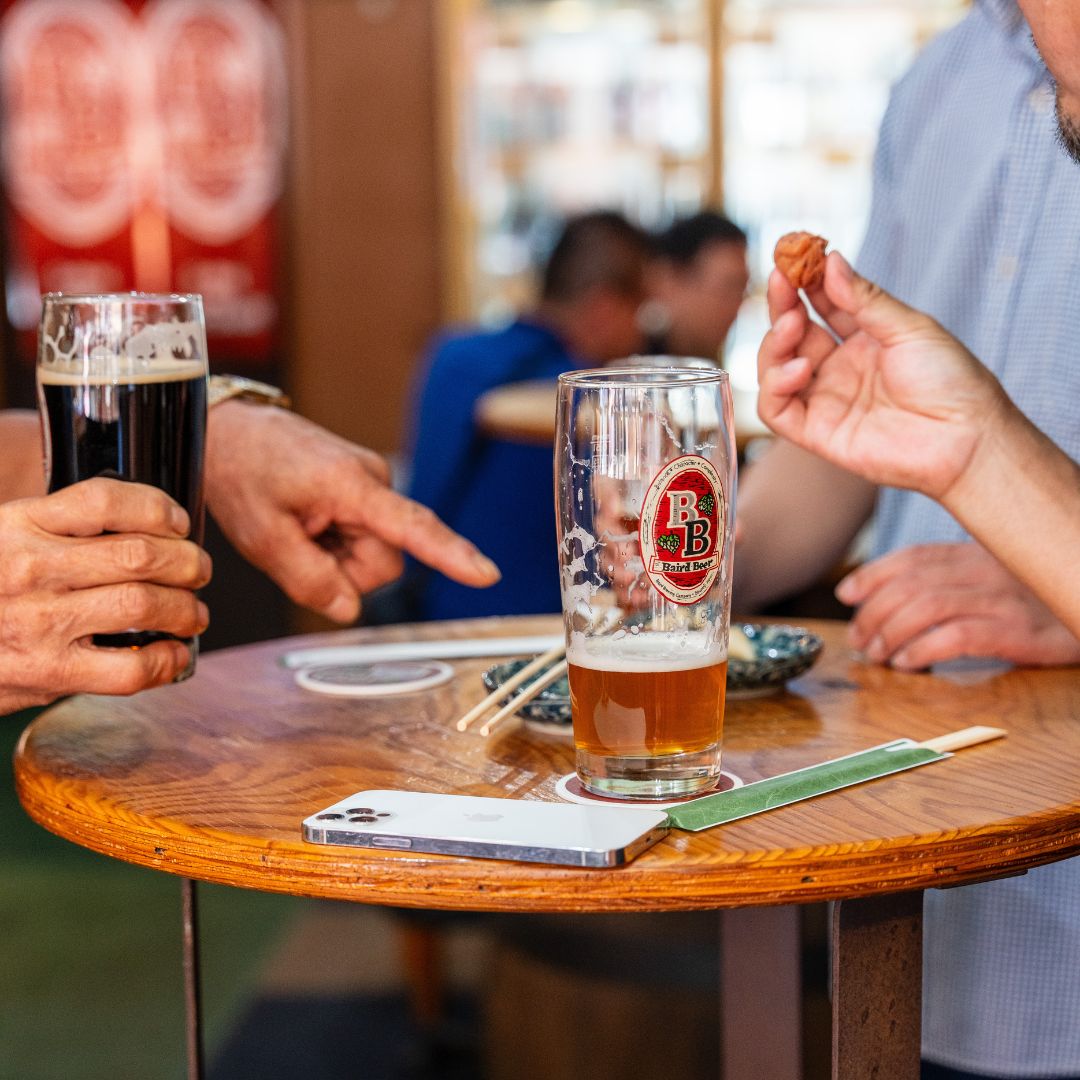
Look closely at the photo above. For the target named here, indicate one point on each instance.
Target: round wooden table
(210, 779)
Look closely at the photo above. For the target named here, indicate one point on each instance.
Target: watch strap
(226, 387)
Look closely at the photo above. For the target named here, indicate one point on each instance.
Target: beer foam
(646, 651)
(119, 371)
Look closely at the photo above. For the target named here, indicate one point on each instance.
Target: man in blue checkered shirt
(976, 220)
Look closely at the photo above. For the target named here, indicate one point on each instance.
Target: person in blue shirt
(497, 491)
(890, 395)
(975, 221)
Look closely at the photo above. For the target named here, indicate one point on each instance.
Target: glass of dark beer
(122, 384)
(645, 496)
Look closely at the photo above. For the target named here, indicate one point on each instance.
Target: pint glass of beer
(122, 382)
(645, 498)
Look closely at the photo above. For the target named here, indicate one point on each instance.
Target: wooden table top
(211, 778)
(524, 412)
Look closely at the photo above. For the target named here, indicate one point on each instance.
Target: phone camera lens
(365, 818)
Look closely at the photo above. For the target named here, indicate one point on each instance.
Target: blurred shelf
(658, 108)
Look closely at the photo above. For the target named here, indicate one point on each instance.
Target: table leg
(877, 987)
(192, 982)
(761, 993)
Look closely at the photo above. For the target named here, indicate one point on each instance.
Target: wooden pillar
(363, 283)
(877, 987)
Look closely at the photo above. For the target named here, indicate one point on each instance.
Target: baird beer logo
(682, 529)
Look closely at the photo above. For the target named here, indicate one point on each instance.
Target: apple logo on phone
(484, 817)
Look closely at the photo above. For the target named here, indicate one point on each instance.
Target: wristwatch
(226, 387)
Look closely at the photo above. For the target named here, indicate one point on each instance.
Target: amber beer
(630, 702)
(647, 713)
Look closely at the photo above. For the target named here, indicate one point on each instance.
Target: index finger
(102, 505)
(419, 531)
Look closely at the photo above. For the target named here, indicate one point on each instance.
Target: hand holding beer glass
(645, 498)
(122, 393)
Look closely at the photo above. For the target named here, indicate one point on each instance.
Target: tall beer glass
(122, 382)
(645, 498)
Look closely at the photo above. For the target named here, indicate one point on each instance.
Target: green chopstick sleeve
(801, 784)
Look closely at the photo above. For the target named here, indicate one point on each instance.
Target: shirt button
(1007, 266)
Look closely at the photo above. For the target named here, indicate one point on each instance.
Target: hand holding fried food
(800, 257)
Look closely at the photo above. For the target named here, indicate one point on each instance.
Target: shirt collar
(1010, 19)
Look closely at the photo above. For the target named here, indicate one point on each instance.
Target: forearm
(1020, 497)
(21, 472)
(797, 517)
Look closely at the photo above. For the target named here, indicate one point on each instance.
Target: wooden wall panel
(363, 281)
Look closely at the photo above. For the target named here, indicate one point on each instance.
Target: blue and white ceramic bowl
(781, 653)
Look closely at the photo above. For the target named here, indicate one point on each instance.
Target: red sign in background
(142, 147)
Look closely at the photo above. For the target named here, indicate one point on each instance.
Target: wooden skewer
(511, 684)
(527, 694)
(957, 740)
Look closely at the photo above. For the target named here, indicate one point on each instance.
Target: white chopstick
(607, 620)
(460, 649)
(526, 695)
(524, 675)
(958, 740)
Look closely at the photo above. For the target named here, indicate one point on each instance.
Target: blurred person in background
(976, 221)
(496, 492)
(697, 281)
(311, 510)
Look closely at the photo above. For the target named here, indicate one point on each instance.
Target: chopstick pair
(555, 656)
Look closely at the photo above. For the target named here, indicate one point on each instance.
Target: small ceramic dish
(781, 653)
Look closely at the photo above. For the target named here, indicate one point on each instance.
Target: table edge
(808, 875)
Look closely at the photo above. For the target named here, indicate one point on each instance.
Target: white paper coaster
(570, 789)
(374, 680)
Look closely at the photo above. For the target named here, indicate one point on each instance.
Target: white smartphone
(527, 831)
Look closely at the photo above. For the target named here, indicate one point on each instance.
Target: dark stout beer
(149, 428)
